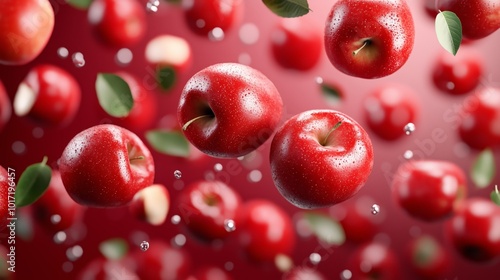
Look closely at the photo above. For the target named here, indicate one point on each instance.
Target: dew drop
(179, 240)
(74, 253)
(177, 174)
(249, 33)
(78, 59)
(55, 219)
(216, 34)
(59, 237)
(315, 258)
(218, 167)
(409, 128)
(375, 209)
(408, 154)
(244, 58)
(37, 132)
(144, 246)
(229, 225)
(346, 274)
(18, 147)
(176, 219)
(319, 80)
(255, 176)
(67, 267)
(62, 52)
(152, 6)
(124, 56)
(229, 266)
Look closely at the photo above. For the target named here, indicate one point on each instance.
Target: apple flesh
(320, 158)
(369, 39)
(151, 204)
(105, 166)
(25, 29)
(5, 107)
(169, 50)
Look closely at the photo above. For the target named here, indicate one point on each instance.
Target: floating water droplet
(216, 34)
(177, 174)
(124, 56)
(59, 237)
(409, 128)
(78, 59)
(62, 52)
(315, 258)
(37, 132)
(18, 147)
(176, 219)
(179, 240)
(319, 80)
(244, 58)
(249, 33)
(218, 167)
(74, 253)
(408, 154)
(67, 267)
(255, 176)
(178, 185)
(346, 274)
(229, 225)
(152, 6)
(229, 266)
(55, 219)
(375, 209)
(144, 246)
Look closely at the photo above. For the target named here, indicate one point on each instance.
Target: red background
(40, 256)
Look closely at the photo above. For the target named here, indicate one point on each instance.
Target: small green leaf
(449, 31)
(332, 94)
(426, 251)
(495, 196)
(80, 4)
(166, 77)
(288, 8)
(168, 142)
(114, 249)
(325, 228)
(32, 183)
(114, 95)
(483, 169)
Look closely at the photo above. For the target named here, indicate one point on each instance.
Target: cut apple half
(168, 50)
(151, 204)
(25, 99)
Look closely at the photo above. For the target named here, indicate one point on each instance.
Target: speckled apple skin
(311, 175)
(245, 104)
(96, 169)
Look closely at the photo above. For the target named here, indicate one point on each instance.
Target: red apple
(5, 107)
(25, 29)
(49, 95)
(151, 204)
(320, 158)
(297, 43)
(458, 74)
(479, 18)
(105, 166)
(103, 269)
(210, 273)
(202, 16)
(474, 230)
(428, 258)
(55, 210)
(429, 190)
(374, 261)
(119, 23)
(480, 119)
(265, 230)
(389, 108)
(369, 39)
(303, 273)
(229, 109)
(5, 183)
(206, 206)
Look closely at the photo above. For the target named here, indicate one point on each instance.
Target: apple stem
(366, 42)
(136, 158)
(496, 188)
(330, 132)
(185, 126)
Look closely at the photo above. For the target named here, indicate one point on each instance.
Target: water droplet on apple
(38, 132)
(176, 219)
(67, 267)
(249, 33)
(59, 237)
(78, 59)
(18, 147)
(62, 52)
(229, 225)
(55, 219)
(315, 258)
(229, 266)
(255, 176)
(74, 253)
(124, 56)
(152, 6)
(375, 209)
(408, 154)
(179, 240)
(409, 128)
(144, 246)
(216, 34)
(177, 174)
(218, 167)
(346, 274)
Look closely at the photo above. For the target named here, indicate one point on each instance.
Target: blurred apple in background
(5, 107)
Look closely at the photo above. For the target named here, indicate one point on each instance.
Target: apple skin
(458, 74)
(479, 18)
(358, 224)
(479, 119)
(428, 258)
(264, 230)
(202, 16)
(297, 44)
(387, 28)
(389, 108)
(231, 96)
(311, 171)
(56, 201)
(5, 107)
(105, 166)
(480, 245)
(56, 95)
(429, 190)
(379, 261)
(4, 194)
(25, 29)
(118, 23)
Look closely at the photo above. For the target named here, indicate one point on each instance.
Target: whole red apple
(105, 166)
(479, 119)
(118, 23)
(458, 74)
(369, 39)
(428, 258)
(429, 190)
(48, 94)
(202, 16)
(479, 18)
(474, 230)
(374, 261)
(55, 210)
(229, 109)
(389, 108)
(5, 183)
(5, 107)
(25, 29)
(320, 158)
(264, 230)
(297, 43)
(206, 206)
(151, 204)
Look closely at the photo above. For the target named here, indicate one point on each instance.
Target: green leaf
(288, 8)
(483, 169)
(168, 142)
(80, 4)
(495, 196)
(114, 95)
(325, 228)
(332, 94)
(426, 251)
(114, 249)
(449, 31)
(32, 183)
(166, 77)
